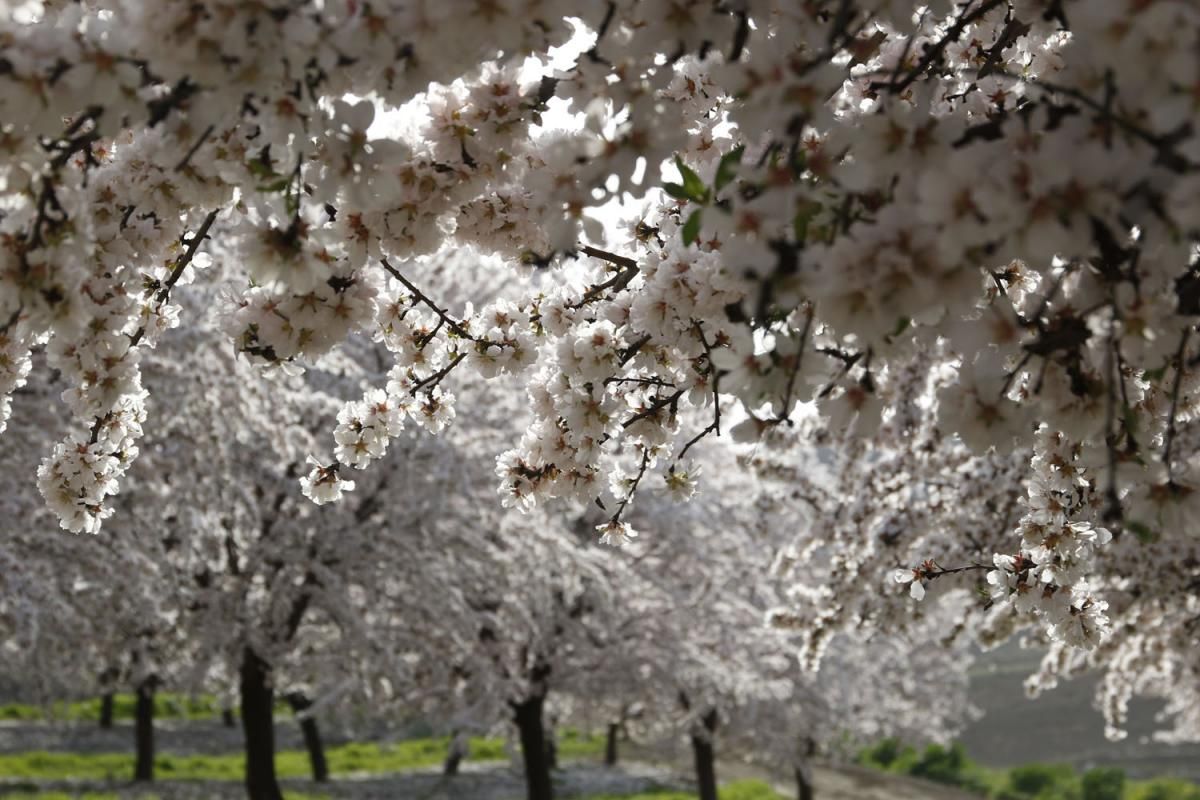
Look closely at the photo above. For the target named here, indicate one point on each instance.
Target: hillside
(1062, 725)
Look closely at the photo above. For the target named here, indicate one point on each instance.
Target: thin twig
(194, 148)
(451, 323)
(436, 378)
(181, 263)
(616, 517)
(161, 297)
(629, 269)
(654, 408)
(933, 53)
(715, 425)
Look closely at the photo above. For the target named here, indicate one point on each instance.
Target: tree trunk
(312, 737)
(258, 725)
(528, 716)
(143, 731)
(702, 750)
(106, 710)
(610, 744)
(806, 750)
(454, 755)
(227, 718)
(804, 787)
(551, 748)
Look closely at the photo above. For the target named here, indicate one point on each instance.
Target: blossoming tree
(998, 195)
(705, 664)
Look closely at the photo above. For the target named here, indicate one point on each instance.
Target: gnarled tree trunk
(312, 737)
(258, 725)
(702, 751)
(528, 716)
(143, 731)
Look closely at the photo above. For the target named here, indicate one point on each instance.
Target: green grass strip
(740, 790)
(166, 706)
(344, 759)
(109, 796)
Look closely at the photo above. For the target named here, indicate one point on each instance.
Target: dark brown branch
(930, 570)
(933, 53)
(181, 263)
(715, 425)
(451, 323)
(1164, 144)
(194, 148)
(633, 486)
(654, 408)
(629, 269)
(785, 412)
(1112, 510)
(900, 62)
(161, 108)
(300, 606)
(436, 378)
(632, 350)
(12, 320)
(641, 380)
(1169, 438)
(161, 297)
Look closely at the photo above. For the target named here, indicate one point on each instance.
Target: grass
(35, 795)
(571, 744)
(343, 760)
(950, 765)
(66, 796)
(166, 706)
(741, 790)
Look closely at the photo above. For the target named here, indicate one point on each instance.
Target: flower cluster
(1049, 576)
(15, 365)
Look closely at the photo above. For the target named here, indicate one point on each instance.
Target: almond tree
(998, 193)
(716, 572)
(934, 518)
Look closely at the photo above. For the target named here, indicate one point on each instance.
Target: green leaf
(1142, 531)
(901, 325)
(1131, 421)
(691, 228)
(693, 187)
(728, 168)
(275, 186)
(676, 190)
(800, 223)
(261, 169)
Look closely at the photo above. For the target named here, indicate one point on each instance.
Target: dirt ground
(848, 782)
(854, 783)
